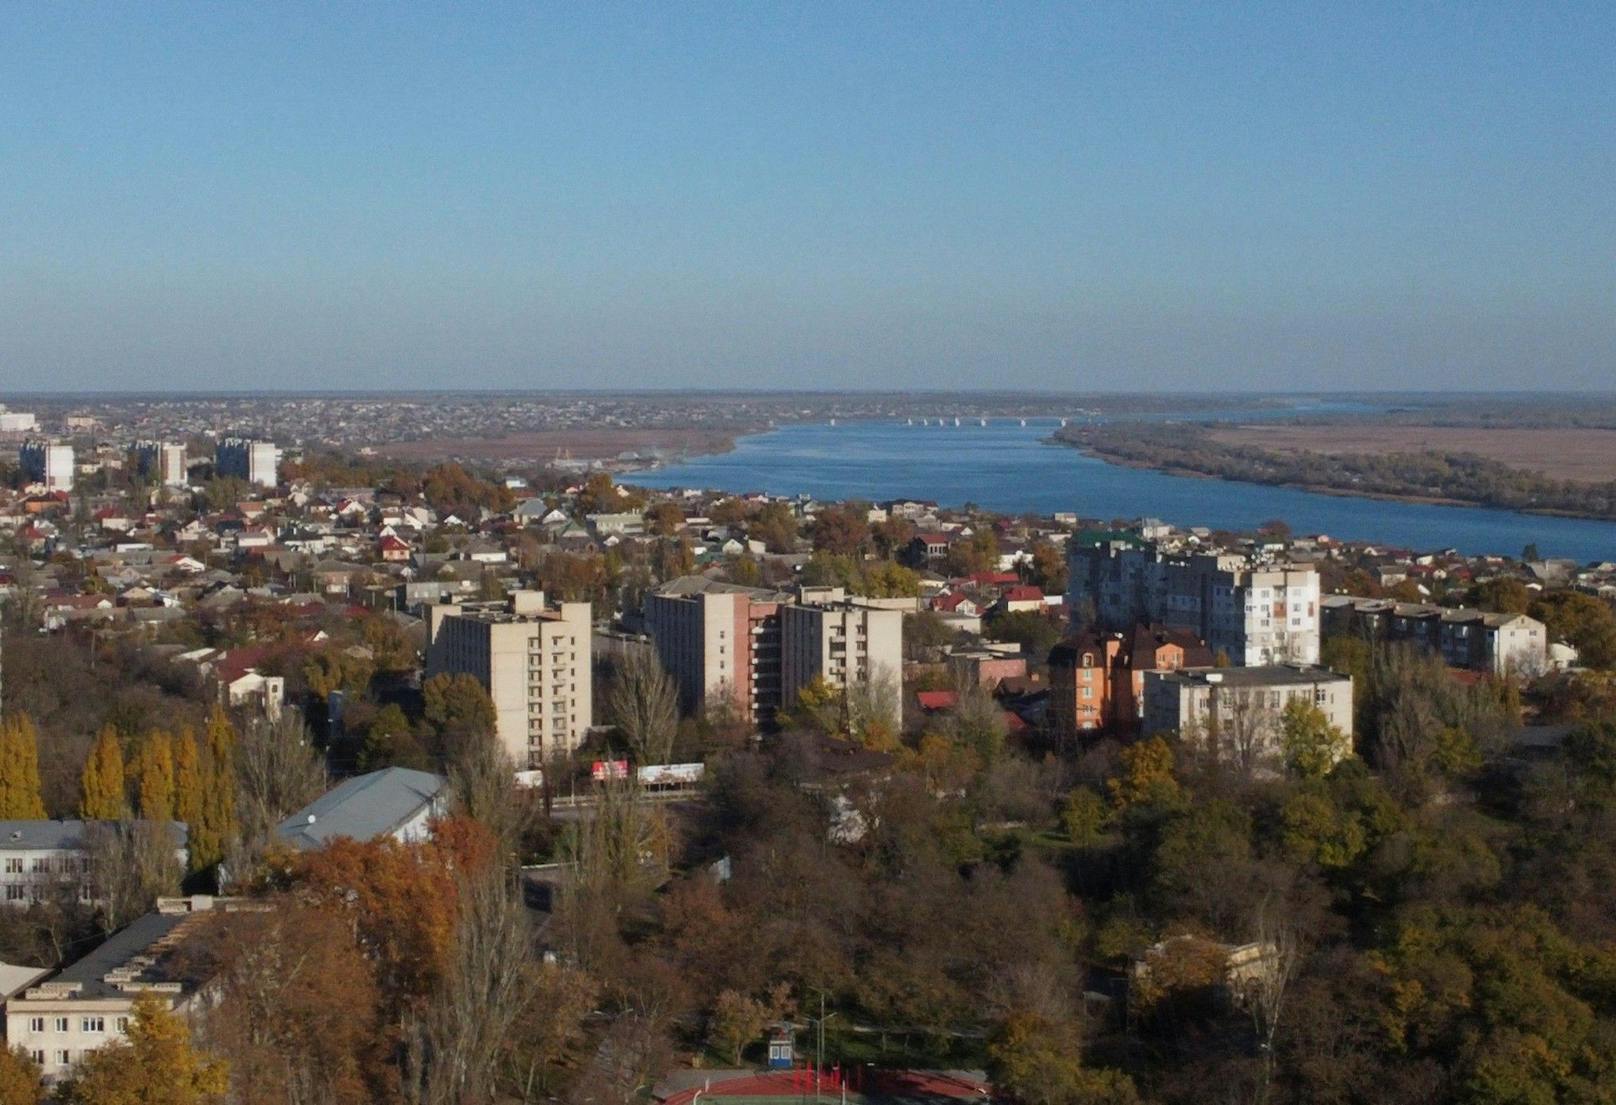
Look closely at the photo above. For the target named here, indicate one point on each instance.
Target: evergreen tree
(19, 770)
(105, 795)
(154, 772)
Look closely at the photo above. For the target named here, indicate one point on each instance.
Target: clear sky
(1072, 196)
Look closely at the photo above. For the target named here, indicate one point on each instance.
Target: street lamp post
(819, 1058)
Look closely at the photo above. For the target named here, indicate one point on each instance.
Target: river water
(1007, 467)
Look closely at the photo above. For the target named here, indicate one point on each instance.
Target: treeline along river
(1007, 467)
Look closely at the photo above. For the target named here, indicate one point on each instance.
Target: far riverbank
(1426, 477)
(1009, 468)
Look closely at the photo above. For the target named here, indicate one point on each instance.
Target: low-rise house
(927, 548)
(241, 683)
(392, 550)
(395, 802)
(1021, 599)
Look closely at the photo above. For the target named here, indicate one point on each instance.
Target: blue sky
(1095, 196)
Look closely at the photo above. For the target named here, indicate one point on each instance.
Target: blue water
(1006, 467)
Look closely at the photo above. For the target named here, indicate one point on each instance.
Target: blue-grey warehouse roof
(363, 808)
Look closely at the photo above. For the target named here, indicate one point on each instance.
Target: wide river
(1006, 467)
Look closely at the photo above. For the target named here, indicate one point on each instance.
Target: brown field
(578, 444)
(1588, 455)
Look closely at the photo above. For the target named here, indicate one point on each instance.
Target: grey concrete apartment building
(759, 648)
(1237, 712)
(1255, 612)
(534, 661)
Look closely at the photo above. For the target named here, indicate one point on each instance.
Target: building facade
(844, 644)
(1473, 639)
(89, 1004)
(534, 662)
(257, 462)
(719, 641)
(42, 861)
(162, 461)
(44, 462)
(759, 648)
(1253, 612)
(1097, 678)
(1236, 714)
(17, 422)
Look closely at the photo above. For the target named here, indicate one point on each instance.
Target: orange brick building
(1097, 679)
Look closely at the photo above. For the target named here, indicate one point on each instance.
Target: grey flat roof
(1265, 675)
(51, 836)
(363, 808)
(702, 585)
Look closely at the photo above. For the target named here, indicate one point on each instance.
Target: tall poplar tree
(154, 773)
(188, 792)
(105, 794)
(19, 770)
(216, 827)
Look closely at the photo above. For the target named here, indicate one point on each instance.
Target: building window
(38, 1056)
(1319, 696)
(61, 1024)
(123, 1024)
(36, 1024)
(92, 1024)
(14, 865)
(61, 1056)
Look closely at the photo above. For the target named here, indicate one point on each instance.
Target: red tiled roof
(239, 661)
(994, 579)
(1025, 592)
(937, 700)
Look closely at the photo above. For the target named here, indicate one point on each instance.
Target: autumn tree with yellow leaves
(19, 770)
(154, 776)
(105, 795)
(158, 1064)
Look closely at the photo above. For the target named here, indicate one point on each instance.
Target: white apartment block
(163, 461)
(257, 462)
(534, 662)
(1236, 713)
(844, 644)
(1254, 612)
(41, 861)
(89, 1004)
(46, 463)
(17, 422)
